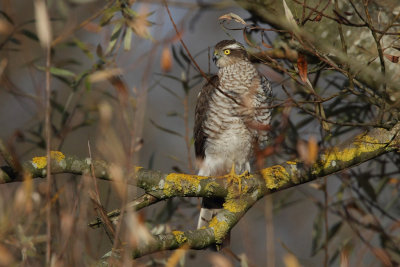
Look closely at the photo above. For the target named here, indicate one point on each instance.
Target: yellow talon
(232, 177)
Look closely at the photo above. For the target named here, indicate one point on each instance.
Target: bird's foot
(232, 178)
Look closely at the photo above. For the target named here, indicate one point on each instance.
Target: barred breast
(233, 106)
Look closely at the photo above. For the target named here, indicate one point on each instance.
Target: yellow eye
(227, 51)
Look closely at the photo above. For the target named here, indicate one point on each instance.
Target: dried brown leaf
(92, 27)
(317, 17)
(344, 258)
(302, 65)
(5, 27)
(232, 16)
(289, 16)
(43, 27)
(290, 260)
(103, 75)
(312, 150)
(302, 150)
(6, 258)
(3, 65)
(140, 24)
(218, 260)
(176, 256)
(166, 59)
(383, 256)
(391, 58)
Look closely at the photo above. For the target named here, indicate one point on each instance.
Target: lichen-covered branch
(240, 191)
(139, 203)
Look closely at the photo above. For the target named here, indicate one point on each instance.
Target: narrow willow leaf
(15, 41)
(165, 129)
(43, 27)
(6, 17)
(176, 57)
(114, 37)
(30, 35)
(57, 71)
(99, 51)
(108, 14)
(289, 16)
(128, 39)
(84, 48)
(61, 72)
(316, 233)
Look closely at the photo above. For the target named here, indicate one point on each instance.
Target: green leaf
(15, 41)
(331, 233)
(170, 91)
(6, 17)
(88, 84)
(173, 114)
(108, 14)
(334, 229)
(176, 57)
(57, 71)
(114, 37)
(130, 12)
(83, 47)
(31, 35)
(165, 129)
(61, 72)
(363, 182)
(316, 233)
(99, 51)
(151, 161)
(128, 39)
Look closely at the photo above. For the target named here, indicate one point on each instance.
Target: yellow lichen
(137, 168)
(362, 144)
(235, 205)
(275, 176)
(220, 228)
(183, 183)
(41, 162)
(180, 236)
(57, 156)
(291, 162)
(210, 187)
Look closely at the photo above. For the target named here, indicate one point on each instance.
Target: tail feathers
(210, 208)
(205, 217)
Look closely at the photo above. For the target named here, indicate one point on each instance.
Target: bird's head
(228, 52)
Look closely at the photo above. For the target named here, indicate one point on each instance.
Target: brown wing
(202, 106)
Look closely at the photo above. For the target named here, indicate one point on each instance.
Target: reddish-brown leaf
(394, 59)
(166, 59)
(302, 66)
(318, 17)
(264, 43)
(312, 150)
(232, 16)
(383, 256)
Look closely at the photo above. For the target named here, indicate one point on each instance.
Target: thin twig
(48, 147)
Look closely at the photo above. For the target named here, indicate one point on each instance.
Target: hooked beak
(215, 58)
